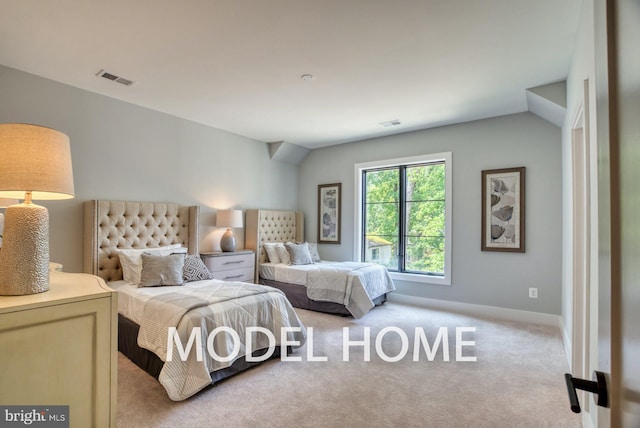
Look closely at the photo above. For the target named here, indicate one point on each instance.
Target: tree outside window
(404, 217)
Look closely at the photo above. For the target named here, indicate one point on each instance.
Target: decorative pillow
(195, 270)
(313, 250)
(131, 260)
(272, 254)
(299, 253)
(283, 254)
(161, 270)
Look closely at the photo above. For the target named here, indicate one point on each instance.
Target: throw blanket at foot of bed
(353, 284)
(205, 306)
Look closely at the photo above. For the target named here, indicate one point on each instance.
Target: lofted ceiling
(237, 65)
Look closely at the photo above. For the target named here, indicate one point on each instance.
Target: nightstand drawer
(243, 274)
(229, 262)
(231, 266)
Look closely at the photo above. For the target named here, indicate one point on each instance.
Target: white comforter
(208, 305)
(352, 284)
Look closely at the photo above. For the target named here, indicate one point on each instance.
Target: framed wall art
(503, 209)
(329, 210)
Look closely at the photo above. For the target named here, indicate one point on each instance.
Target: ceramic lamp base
(228, 242)
(24, 258)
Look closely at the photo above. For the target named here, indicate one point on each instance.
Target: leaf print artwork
(503, 209)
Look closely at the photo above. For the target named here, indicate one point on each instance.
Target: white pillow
(283, 254)
(313, 250)
(272, 254)
(131, 260)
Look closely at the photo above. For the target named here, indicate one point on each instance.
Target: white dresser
(60, 348)
(231, 266)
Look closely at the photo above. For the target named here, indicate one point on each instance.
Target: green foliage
(382, 202)
(424, 213)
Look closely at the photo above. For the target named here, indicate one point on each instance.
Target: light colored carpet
(517, 381)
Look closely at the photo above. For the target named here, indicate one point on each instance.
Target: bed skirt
(152, 364)
(297, 295)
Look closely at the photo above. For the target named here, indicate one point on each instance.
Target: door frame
(583, 340)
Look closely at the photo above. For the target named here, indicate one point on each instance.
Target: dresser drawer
(242, 274)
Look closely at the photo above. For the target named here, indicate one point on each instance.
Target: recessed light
(307, 77)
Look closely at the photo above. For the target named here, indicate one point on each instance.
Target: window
(375, 255)
(404, 216)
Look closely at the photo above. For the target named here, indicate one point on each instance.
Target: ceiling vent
(115, 78)
(389, 123)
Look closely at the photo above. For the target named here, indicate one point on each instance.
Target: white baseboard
(480, 310)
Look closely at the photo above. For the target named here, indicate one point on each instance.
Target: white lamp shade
(34, 159)
(229, 218)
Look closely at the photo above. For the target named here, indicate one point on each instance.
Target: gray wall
(122, 151)
(486, 278)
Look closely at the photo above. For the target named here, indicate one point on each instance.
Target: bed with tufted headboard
(114, 225)
(114, 229)
(264, 226)
(365, 285)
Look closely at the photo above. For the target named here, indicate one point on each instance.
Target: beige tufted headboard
(271, 226)
(111, 225)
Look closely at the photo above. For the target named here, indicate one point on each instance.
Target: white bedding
(231, 304)
(131, 298)
(352, 284)
(291, 274)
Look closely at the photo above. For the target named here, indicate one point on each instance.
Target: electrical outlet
(533, 293)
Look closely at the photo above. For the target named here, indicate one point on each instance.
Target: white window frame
(445, 157)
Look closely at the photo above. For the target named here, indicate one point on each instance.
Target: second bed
(345, 288)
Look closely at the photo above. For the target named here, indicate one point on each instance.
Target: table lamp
(228, 219)
(35, 163)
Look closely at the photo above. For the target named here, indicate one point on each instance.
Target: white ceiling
(236, 64)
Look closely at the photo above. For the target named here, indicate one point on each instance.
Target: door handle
(597, 386)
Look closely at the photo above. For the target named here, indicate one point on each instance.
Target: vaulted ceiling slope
(237, 65)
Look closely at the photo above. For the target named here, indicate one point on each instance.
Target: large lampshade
(228, 219)
(34, 159)
(35, 163)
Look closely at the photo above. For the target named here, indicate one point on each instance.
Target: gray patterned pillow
(195, 269)
(161, 270)
(299, 253)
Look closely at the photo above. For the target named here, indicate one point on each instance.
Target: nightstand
(60, 347)
(231, 266)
